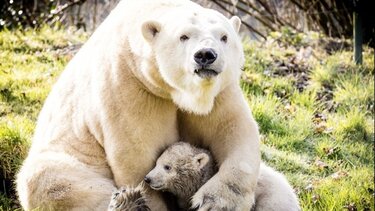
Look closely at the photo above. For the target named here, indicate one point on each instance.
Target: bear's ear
(201, 159)
(236, 23)
(150, 29)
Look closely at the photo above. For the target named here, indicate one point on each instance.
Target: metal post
(358, 37)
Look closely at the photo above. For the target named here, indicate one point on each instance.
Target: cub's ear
(150, 30)
(201, 159)
(236, 23)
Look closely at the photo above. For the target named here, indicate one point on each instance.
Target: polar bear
(182, 169)
(154, 72)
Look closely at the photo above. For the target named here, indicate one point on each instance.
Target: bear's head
(197, 52)
(181, 170)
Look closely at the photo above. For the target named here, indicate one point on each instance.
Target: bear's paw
(128, 199)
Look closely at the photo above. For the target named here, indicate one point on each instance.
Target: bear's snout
(205, 57)
(155, 183)
(147, 180)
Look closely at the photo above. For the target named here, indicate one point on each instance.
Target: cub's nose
(147, 180)
(205, 56)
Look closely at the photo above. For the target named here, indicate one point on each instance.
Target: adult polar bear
(155, 71)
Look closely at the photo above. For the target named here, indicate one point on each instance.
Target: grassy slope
(315, 115)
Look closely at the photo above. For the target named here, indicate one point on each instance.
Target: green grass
(316, 115)
(321, 136)
(30, 61)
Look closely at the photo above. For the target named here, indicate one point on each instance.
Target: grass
(315, 110)
(316, 117)
(30, 61)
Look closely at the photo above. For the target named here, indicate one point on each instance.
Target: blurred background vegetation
(314, 106)
(334, 18)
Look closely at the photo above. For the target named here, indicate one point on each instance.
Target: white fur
(185, 177)
(125, 96)
(273, 192)
(175, 58)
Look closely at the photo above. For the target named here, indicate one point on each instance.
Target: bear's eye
(166, 167)
(224, 38)
(184, 38)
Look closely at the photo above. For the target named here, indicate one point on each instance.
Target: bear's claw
(128, 199)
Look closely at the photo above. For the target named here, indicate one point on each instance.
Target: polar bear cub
(182, 169)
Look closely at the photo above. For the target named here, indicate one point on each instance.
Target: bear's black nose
(205, 56)
(147, 180)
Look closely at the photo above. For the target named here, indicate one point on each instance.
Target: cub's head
(181, 170)
(198, 53)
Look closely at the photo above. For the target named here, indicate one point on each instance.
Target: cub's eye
(224, 38)
(184, 38)
(166, 167)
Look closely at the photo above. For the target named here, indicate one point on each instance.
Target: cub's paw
(222, 197)
(128, 199)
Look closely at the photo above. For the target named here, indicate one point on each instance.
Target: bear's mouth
(206, 73)
(156, 187)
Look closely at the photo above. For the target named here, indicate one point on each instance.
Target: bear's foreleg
(231, 133)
